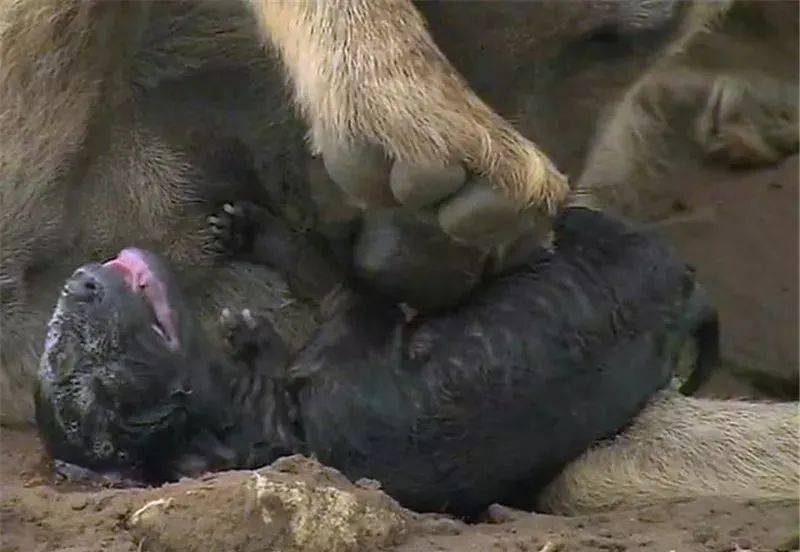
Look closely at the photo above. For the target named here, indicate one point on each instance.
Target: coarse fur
(102, 146)
(357, 78)
(679, 443)
(729, 95)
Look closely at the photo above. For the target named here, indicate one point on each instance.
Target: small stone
(34, 481)
(150, 511)
(497, 513)
(369, 484)
(79, 503)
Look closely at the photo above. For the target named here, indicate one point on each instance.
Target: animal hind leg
(684, 447)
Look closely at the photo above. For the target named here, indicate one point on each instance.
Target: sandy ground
(739, 229)
(39, 514)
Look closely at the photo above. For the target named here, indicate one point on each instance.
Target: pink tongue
(134, 268)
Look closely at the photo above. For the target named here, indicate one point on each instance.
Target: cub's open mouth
(135, 267)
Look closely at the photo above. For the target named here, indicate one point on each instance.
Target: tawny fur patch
(683, 447)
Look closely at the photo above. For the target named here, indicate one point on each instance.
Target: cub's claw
(233, 230)
(251, 337)
(239, 326)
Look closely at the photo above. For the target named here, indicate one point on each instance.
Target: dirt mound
(298, 504)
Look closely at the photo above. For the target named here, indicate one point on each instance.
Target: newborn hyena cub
(129, 385)
(449, 412)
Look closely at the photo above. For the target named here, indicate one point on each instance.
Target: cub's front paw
(234, 229)
(252, 338)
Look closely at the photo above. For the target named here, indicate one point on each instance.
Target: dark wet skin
(450, 412)
(124, 371)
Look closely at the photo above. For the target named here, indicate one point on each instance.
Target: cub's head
(115, 374)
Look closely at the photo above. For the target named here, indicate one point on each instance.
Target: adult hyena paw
(477, 210)
(749, 123)
(234, 229)
(250, 337)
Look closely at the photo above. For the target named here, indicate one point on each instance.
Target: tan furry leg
(368, 70)
(629, 148)
(55, 60)
(682, 447)
(58, 62)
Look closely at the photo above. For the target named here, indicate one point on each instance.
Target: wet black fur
(452, 412)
